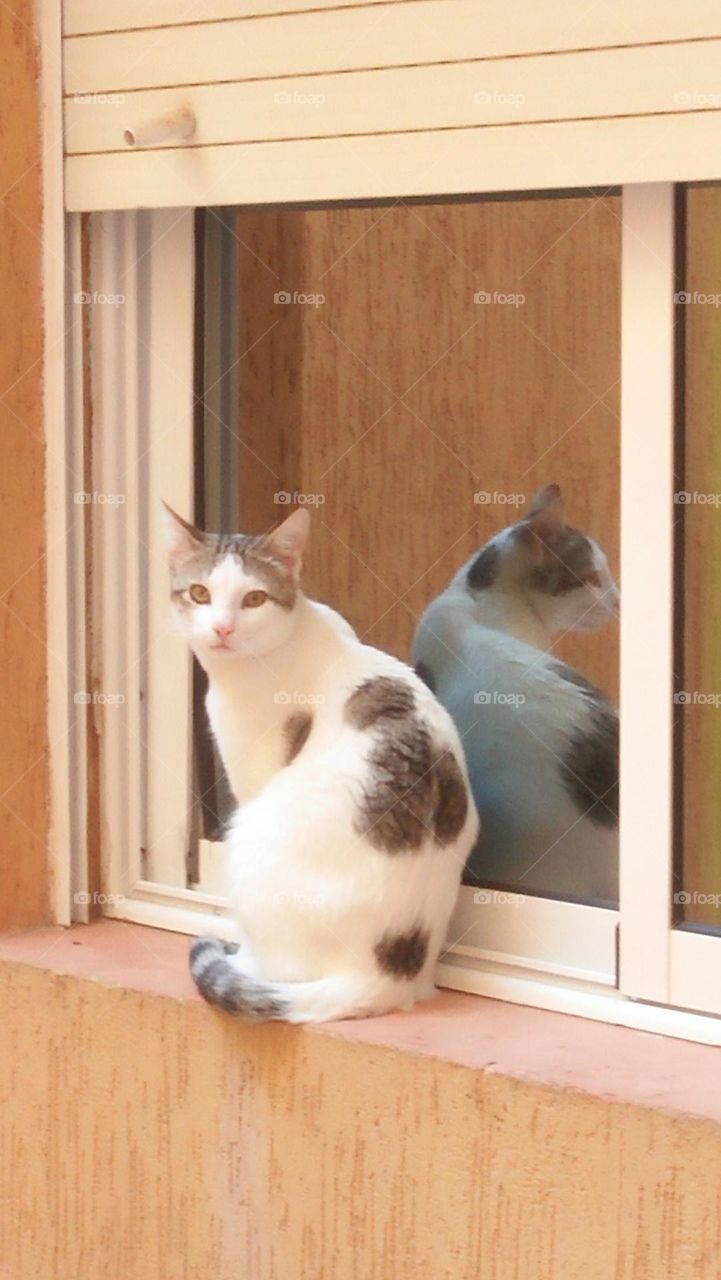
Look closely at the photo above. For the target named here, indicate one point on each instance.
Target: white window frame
(537, 951)
(142, 388)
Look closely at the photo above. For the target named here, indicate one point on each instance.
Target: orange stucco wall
(147, 1137)
(23, 741)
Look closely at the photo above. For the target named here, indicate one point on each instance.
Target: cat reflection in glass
(541, 742)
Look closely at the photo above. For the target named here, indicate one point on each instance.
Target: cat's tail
(221, 981)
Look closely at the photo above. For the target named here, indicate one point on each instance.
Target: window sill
(551, 1050)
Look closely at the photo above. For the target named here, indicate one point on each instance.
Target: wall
(23, 742)
(399, 398)
(147, 1137)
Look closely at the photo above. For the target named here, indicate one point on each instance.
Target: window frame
(663, 979)
(145, 257)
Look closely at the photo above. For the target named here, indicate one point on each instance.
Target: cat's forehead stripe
(224, 555)
(279, 583)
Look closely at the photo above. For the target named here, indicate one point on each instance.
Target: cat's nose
(222, 630)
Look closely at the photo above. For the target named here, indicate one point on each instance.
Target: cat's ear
(545, 519)
(182, 539)
(287, 542)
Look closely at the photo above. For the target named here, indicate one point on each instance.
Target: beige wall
(148, 1138)
(23, 742)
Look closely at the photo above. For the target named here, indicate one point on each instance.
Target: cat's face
(234, 596)
(562, 572)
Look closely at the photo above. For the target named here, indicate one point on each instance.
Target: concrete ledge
(147, 1136)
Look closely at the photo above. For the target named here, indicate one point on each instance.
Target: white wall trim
(647, 515)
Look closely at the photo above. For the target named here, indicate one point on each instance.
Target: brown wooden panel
(23, 742)
(271, 356)
(414, 397)
(702, 559)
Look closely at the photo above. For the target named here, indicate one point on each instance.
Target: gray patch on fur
(404, 954)
(379, 698)
(295, 731)
(277, 581)
(484, 570)
(399, 800)
(590, 765)
(415, 789)
(452, 804)
(571, 676)
(568, 558)
(221, 984)
(179, 600)
(425, 674)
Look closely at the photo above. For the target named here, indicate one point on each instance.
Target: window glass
(697, 880)
(414, 373)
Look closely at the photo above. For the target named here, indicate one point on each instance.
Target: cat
(354, 816)
(541, 742)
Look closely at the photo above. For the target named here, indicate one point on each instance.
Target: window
(414, 370)
(697, 876)
(696, 905)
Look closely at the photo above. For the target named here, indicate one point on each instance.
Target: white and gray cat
(354, 816)
(541, 742)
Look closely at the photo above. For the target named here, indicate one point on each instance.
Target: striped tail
(221, 981)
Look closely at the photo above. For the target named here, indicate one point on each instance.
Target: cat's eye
(254, 599)
(199, 593)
